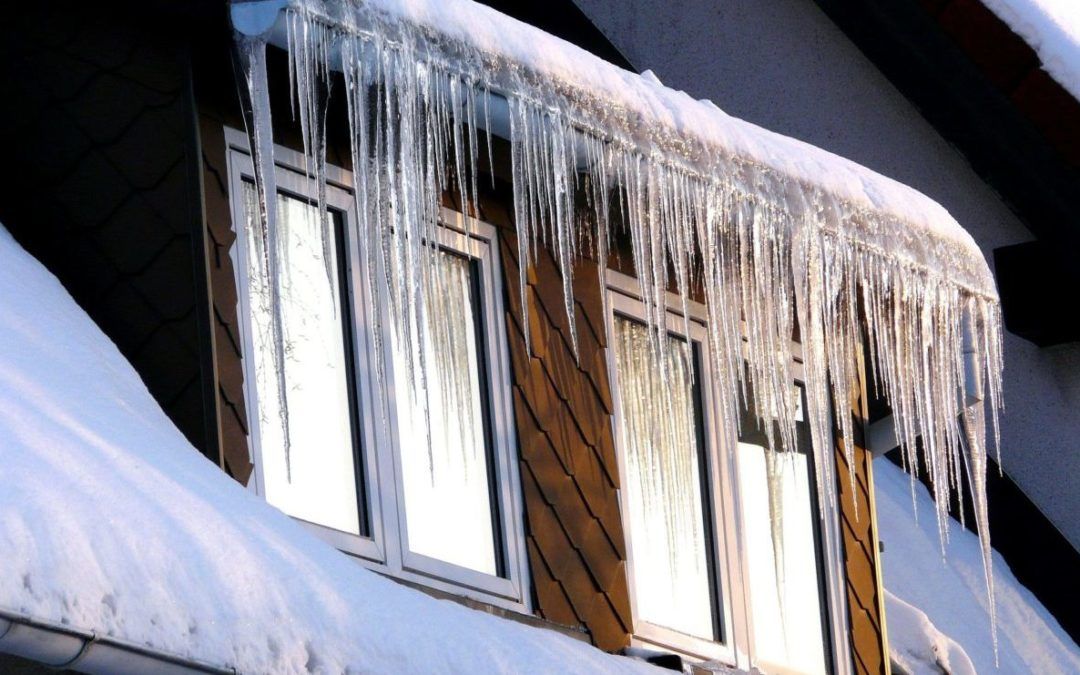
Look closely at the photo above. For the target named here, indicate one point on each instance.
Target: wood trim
(867, 634)
(235, 456)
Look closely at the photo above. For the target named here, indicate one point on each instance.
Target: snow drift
(936, 609)
(111, 521)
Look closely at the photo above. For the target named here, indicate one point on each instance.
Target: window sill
(577, 633)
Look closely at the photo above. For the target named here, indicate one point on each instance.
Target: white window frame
(730, 560)
(386, 549)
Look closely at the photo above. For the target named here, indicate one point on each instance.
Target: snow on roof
(1052, 29)
(916, 644)
(111, 521)
(660, 121)
(661, 107)
(937, 610)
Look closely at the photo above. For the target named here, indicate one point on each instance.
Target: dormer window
(415, 478)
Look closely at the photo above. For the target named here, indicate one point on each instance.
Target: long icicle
(252, 54)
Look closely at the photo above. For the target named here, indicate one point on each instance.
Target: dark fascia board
(1030, 285)
(562, 18)
(909, 47)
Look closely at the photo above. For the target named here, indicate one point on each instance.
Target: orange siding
(862, 562)
(564, 422)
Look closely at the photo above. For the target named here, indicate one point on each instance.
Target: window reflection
(445, 460)
(786, 593)
(669, 552)
(322, 487)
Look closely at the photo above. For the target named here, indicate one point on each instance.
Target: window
(664, 488)
(670, 500)
(794, 638)
(703, 578)
(415, 478)
(449, 511)
(316, 480)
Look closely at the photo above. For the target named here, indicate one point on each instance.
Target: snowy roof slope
(110, 521)
(952, 594)
(1052, 29)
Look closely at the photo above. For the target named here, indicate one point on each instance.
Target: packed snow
(1052, 29)
(917, 647)
(936, 610)
(111, 521)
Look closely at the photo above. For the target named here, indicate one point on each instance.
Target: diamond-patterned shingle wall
(569, 473)
(95, 125)
(862, 557)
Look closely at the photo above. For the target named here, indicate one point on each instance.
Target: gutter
(64, 647)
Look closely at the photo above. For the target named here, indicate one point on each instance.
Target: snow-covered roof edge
(1052, 29)
(664, 124)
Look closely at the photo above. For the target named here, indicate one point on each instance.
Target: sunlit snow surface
(917, 647)
(1052, 29)
(953, 596)
(110, 521)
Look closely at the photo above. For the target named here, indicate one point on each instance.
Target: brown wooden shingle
(228, 357)
(862, 563)
(564, 415)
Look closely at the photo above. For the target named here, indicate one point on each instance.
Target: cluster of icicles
(770, 252)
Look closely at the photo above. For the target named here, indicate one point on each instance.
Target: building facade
(142, 206)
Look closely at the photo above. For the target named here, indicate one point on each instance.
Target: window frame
(475, 241)
(377, 460)
(623, 296)
(825, 538)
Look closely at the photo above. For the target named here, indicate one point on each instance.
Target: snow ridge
(1052, 29)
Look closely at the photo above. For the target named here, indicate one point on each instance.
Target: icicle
(774, 475)
(544, 173)
(309, 77)
(769, 251)
(252, 54)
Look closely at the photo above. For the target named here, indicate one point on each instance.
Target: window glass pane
(794, 636)
(445, 462)
(669, 556)
(323, 487)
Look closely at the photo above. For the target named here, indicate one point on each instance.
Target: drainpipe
(63, 647)
(881, 436)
